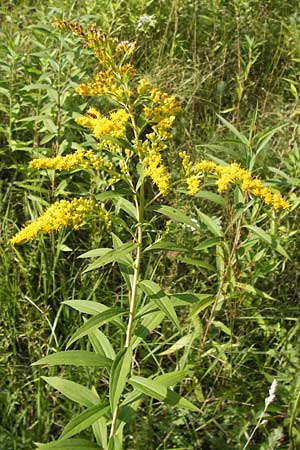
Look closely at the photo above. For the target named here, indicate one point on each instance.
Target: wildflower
(272, 391)
(227, 175)
(61, 214)
(193, 183)
(156, 170)
(114, 125)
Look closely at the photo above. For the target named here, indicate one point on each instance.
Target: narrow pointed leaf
(95, 322)
(230, 127)
(111, 256)
(156, 294)
(168, 246)
(268, 239)
(156, 390)
(118, 375)
(210, 223)
(172, 378)
(177, 215)
(101, 344)
(84, 420)
(74, 391)
(182, 342)
(74, 358)
(97, 252)
(69, 444)
(92, 308)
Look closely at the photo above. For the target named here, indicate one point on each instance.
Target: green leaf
(240, 136)
(69, 444)
(210, 223)
(93, 308)
(84, 420)
(207, 243)
(182, 342)
(96, 252)
(187, 298)
(268, 239)
(156, 294)
(110, 195)
(168, 246)
(95, 322)
(172, 378)
(149, 323)
(156, 390)
(201, 305)
(221, 326)
(177, 215)
(118, 375)
(212, 197)
(101, 344)
(111, 256)
(87, 306)
(74, 358)
(128, 207)
(74, 391)
(197, 263)
(125, 263)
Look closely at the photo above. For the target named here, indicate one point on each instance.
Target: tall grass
(224, 59)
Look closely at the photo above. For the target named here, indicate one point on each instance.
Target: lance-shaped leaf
(168, 246)
(210, 223)
(110, 195)
(69, 444)
(149, 322)
(101, 344)
(95, 322)
(118, 375)
(74, 391)
(182, 342)
(156, 294)
(158, 391)
(111, 256)
(268, 239)
(177, 215)
(74, 358)
(97, 252)
(84, 420)
(93, 308)
(125, 263)
(172, 378)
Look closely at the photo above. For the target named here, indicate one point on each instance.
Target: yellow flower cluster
(114, 125)
(81, 159)
(161, 113)
(104, 83)
(59, 215)
(226, 175)
(156, 170)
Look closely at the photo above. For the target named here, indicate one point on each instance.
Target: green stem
(137, 264)
(139, 202)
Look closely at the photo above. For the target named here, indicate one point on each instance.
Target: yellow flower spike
(193, 183)
(59, 215)
(227, 175)
(156, 170)
(68, 162)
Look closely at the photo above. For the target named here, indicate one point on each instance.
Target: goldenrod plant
(131, 122)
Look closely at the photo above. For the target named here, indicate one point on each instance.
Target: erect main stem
(137, 264)
(139, 203)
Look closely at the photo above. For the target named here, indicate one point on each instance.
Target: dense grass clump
(228, 262)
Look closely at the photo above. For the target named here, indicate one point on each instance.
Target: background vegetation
(236, 59)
